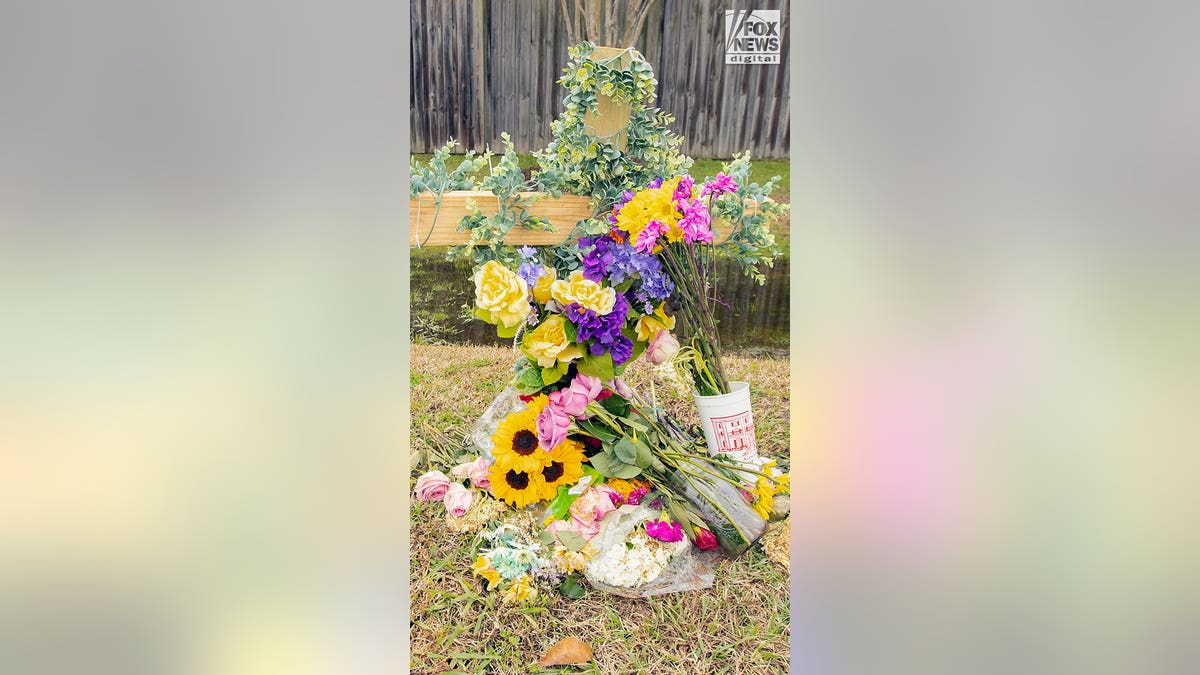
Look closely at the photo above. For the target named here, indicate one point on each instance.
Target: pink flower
(664, 531)
(594, 504)
(684, 189)
(635, 497)
(552, 426)
(648, 237)
(458, 500)
(574, 399)
(662, 347)
(431, 486)
(703, 539)
(477, 471)
(696, 222)
(619, 387)
(722, 183)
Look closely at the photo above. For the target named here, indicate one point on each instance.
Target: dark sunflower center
(517, 480)
(525, 442)
(553, 472)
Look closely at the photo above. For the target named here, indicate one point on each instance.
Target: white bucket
(728, 423)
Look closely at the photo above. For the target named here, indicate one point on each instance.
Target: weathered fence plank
(480, 67)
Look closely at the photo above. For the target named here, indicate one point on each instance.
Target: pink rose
(477, 471)
(585, 530)
(552, 426)
(458, 500)
(574, 399)
(662, 347)
(704, 539)
(594, 504)
(432, 486)
(619, 387)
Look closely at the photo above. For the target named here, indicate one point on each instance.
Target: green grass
(740, 625)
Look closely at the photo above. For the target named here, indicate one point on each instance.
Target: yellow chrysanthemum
(649, 204)
(650, 325)
(517, 488)
(516, 443)
(627, 486)
(565, 468)
(484, 569)
(521, 590)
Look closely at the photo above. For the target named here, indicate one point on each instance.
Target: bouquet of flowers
(672, 222)
(583, 444)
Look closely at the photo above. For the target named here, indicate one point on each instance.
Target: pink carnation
(721, 184)
(664, 531)
(684, 189)
(696, 223)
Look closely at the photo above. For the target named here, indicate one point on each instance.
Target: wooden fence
(480, 67)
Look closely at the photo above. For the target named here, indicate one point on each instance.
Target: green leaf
(529, 381)
(625, 451)
(572, 540)
(625, 471)
(561, 503)
(571, 588)
(485, 314)
(597, 430)
(506, 332)
(645, 456)
(552, 375)
(616, 405)
(597, 366)
(602, 463)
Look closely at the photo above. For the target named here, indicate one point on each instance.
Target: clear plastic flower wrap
(688, 569)
(508, 401)
(727, 514)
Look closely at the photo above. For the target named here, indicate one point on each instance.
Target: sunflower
(565, 468)
(516, 443)
(537, 404)
(518, 488)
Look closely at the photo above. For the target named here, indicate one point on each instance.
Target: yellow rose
(548, 343)
(500, 291)
(589, 294)
(648, 326)
(541, 290)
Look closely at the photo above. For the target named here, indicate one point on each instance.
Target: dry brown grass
(740, 625)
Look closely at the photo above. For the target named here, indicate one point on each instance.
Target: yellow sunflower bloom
(537, 404)
(516, 443)
(517, 488)
(565, 468)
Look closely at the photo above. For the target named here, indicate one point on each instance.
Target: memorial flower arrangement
(580, 444)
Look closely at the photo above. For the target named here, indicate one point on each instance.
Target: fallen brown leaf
(567, 650)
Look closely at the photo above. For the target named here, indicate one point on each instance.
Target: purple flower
(530, 271)
(664, 531)
(722, 183)
(528, 252)
(603, 333)
(684, 189)
(656, 183)
(598, 257)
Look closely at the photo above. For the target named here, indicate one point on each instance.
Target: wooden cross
(611, 119)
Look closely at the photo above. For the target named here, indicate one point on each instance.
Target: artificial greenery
(435, 178)
(749, 210)
(580, 162)
(508, 183)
